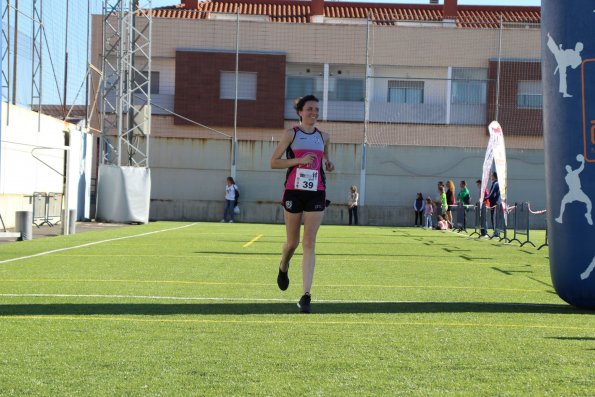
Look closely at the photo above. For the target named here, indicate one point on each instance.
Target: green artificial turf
(179, 309)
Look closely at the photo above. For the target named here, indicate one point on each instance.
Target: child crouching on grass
(428, 212)
(442, 223)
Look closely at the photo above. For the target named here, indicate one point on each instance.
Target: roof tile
(298, 11)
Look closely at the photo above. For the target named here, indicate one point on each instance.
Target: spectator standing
(494, 198)
(419, 205)
(483, 210)
(463, 196)
(352, 203)
(438, 201)
(443, 203)
(450, 200)
(231, 191)
(428, 212)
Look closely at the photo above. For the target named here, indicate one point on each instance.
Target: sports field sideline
(180, 309)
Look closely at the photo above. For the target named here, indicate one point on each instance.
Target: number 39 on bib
(306, 179)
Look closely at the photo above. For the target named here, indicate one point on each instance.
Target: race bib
(306, 179)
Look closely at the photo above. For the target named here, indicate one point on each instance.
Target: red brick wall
(514, 120)
(198, 85)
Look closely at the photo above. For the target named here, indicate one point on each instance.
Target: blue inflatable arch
(568, 75)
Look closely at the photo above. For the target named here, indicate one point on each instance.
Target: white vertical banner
(500, 159)
(487, 166)
(496, 151)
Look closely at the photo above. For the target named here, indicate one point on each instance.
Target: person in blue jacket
(418, 206)
(494, 199)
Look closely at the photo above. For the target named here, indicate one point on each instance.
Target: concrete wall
(188, 179)
(32, 160)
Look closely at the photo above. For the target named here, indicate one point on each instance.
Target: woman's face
(309, 112)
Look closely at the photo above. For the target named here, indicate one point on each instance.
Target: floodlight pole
(234, 145)
(6, 56)
(498, 73)
(36, 58)
(15, 52)
(87, 63)
(362, 178)
(65, 63)
(1, 123)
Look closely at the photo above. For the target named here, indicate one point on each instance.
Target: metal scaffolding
(6, 50)
(125, 120)
(10, 34)
(36, 57)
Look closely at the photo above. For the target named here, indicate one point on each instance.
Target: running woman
(304, 196)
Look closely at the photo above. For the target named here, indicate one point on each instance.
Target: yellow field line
(293, 322)
(265, 284)
(385, 259)
(249, 243)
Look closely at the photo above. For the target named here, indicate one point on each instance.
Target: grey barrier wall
(123, 194)
(188, 179)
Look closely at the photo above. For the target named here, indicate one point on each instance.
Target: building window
(297, 87)
(142, 79)
(469, 86)
(246, 85)
(529, 94)
(405, 91)
(350, 90)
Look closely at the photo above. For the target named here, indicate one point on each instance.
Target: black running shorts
(296, 201)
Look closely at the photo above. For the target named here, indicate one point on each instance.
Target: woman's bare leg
(312, 221)
(293, 223)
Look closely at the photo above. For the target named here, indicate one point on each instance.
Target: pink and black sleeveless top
(302, 144)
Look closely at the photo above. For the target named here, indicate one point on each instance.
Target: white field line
(93, 243)
(222, 299)
(149, 297)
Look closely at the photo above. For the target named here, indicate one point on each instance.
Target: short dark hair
(300, 102)
(495, 175)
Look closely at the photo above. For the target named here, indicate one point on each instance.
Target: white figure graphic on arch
(564, 59)
(588, 270)
(575, 192)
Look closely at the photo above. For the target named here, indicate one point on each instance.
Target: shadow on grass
(88, 309)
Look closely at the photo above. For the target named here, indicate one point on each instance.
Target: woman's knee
(291, 245)
(308, 243)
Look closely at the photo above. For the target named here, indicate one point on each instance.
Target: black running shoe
(283, 280)
(304, 303)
